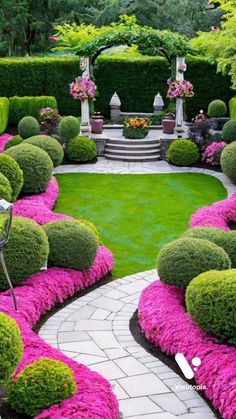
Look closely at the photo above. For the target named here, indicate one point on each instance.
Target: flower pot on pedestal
(168, 123)
(97, 122)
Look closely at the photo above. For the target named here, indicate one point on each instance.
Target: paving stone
(195, 402)
(89, 359)
(116, 294)
(170, 403)
(155, 416)
(72, 336)
(134, 287)
(118, 390)
(131, 366)
(165, 375)
(87, 347)
(137, 406)
(105, 339)
(83, 313)
(100, 314)
(67, 327)
(198, 416)
(109, 370)
(107, 303)
(143, 385)
(116, 353)
(87, 325)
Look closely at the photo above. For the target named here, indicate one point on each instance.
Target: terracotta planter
(97, 124)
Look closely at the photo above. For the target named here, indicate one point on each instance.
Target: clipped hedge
(41, 384)
(211, 302)
(27, 105)
(71, 244)
(81, 149)
(12, 171)
(11, 347)
(26, 251)
(4, 113)
(181, 260)
(5, 188)
(232, 108)
(35, 164)
(50, 145)
(224, 239)
(51, 76)
(228, 161)
(16, 140)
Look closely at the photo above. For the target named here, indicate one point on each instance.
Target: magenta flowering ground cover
(166, 324)
(216, 215)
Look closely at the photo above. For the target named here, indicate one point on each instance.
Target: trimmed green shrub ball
(28, 126)
(211, 302)
(183, 259)
(228, 161)
(41, 384)
(81, 149)
(11, 347)
(91, 226)
(12, 171)
(50, 145)
(229, 131)
(224, 239)
(14, 141)
(26, 251)
(183, 153)
(71, 244)
(69, 127)
(35, 164)
(5, 188)
(217, 109)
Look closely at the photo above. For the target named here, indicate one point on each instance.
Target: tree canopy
(219, 44)
(90, 41)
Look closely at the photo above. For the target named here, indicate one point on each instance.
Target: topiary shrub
(183, 259)
(35, 164)
(228, 161)
(50, 145)
(14, 141)
(69, 127)
(26, 251)
(5, 188)
(183, 153)
(4, 113)
(91, 226)
(12, 171)
(81, 149)
(229, 131)
(28, 126)
(11, 347)
(41, 384)
(217, 109)
(224, 239)
(211, 302)
(71, 244)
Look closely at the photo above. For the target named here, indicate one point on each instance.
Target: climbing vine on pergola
(90, 41)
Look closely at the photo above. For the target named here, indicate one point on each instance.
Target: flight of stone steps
(133, 150)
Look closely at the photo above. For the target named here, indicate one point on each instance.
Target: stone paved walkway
(94, 330)
(118, 167)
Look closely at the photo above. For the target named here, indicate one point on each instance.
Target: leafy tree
(13, 21)
(219, 44)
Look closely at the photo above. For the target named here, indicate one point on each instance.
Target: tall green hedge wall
(136, 81)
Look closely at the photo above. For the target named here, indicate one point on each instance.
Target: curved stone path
(94, 330)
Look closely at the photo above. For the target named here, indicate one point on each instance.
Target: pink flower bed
(4, 138)
(94, 397)
(217, 215)
(166, 324)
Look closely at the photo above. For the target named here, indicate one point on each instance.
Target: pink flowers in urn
(180, 89)
(83, 88)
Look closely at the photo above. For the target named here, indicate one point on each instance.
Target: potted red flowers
(136, 128)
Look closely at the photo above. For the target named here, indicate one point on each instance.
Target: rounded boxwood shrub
(35, 164)
(5, 188)
(183, 153)
(91, 226)
(26, 251)
(81, 149)
(228, 161)
(224, 239)
(183, 259)
(69, 127)
(229, 131)
(211, 302)
(41, 384)
(71, 244)
(50, 145)
(217, 109)
(11, 347)
(12, 171)
(14, 141)
(28, 126)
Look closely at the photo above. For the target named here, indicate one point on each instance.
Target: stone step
(132, 142)
(133, 147)
(131, 152)
(128, 157)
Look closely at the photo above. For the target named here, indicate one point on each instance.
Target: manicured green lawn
(136, 214)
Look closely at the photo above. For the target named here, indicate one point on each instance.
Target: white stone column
(180, 64)
(85, 127)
